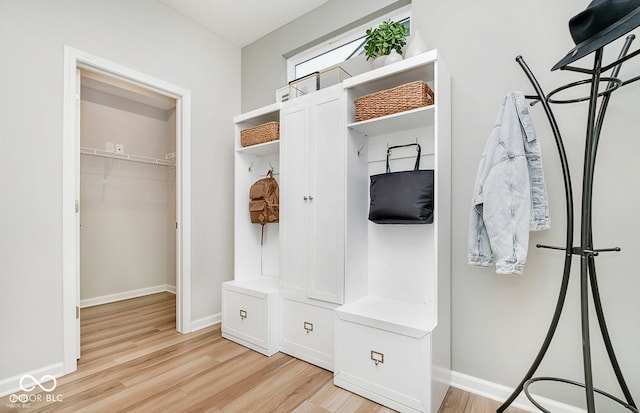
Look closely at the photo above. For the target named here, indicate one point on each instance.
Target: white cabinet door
(312, 195)
(327, 188)
(294, 189)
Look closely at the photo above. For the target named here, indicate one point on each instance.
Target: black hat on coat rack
(602, 22)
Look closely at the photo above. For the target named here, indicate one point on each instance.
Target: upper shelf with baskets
(264, 134)
(401, 121)
(261, 149)
(394, 97)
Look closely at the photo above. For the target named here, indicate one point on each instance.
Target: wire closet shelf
(168, 161)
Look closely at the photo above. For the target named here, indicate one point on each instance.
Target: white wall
(141, 35)
(127, 209)
(499, 321)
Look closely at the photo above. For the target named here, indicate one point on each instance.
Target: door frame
(73, 61)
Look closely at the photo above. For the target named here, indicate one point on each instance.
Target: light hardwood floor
(133, 360)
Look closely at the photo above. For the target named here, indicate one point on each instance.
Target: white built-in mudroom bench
(369, 302)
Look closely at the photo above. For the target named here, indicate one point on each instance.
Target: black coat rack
(586, 249)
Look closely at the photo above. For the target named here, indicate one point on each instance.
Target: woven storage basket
(409, 96)
(266, 132)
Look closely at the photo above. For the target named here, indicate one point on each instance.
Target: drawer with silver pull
(245, 316)
(307, 332)
(385, 363)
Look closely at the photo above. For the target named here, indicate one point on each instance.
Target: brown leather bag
(264, 206)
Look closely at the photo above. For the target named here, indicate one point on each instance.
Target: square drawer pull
(308, 326)
(377, 357)
(243, 314)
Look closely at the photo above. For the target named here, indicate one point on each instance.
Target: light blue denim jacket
(509, 197)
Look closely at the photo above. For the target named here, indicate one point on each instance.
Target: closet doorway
(127, 191)
(126, 180)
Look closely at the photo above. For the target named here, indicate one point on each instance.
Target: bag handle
(417, 165)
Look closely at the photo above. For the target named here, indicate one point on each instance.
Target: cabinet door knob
(243, 314)
(310, 198)
(306, 198)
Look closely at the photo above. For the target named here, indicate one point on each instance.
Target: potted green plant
(385, 38)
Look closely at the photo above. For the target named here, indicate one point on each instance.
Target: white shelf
(261, 115)
(126, 157)
(259, 287)
(410, 319)
(397, 122)
(262, 149)
(386, 77)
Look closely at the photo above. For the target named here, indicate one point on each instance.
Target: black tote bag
(404, 197)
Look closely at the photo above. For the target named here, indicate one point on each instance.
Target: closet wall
(127, 208)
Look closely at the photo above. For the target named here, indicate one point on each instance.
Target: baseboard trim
(106, 299)
(12, 384)
(205, 322)
(500, 393)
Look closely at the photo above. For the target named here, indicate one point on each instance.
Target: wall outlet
(119, 148)
(110, 147)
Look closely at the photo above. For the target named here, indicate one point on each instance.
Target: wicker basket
(398, 99)
(266, 132)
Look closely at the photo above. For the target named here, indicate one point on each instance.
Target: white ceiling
(242, 21)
